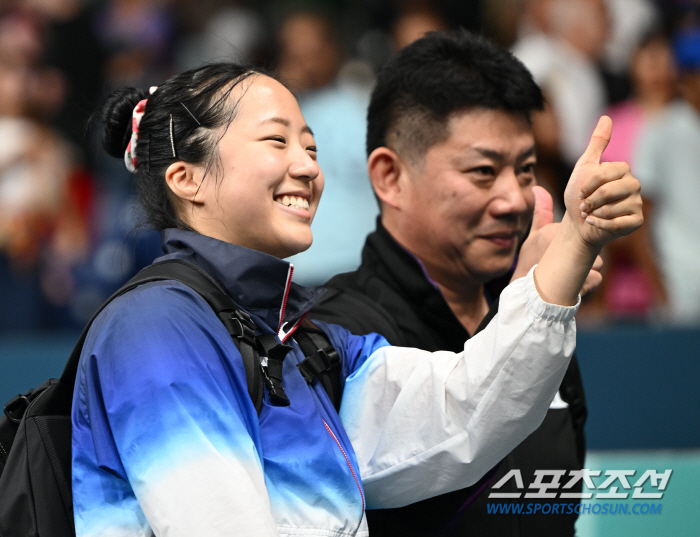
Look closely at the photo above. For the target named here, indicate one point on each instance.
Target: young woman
(166, 440)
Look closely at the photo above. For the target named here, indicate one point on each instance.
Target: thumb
(543, 213)
(599, 141)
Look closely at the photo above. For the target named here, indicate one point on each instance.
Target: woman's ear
(386, 172)
(183, 180)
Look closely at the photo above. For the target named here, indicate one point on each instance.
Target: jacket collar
(257, 282)
(400, 269)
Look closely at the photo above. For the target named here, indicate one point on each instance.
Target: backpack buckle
(16, 406)
(318, 363)
(240, 325)
(241, 331)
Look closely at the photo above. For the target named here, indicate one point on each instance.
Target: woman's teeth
(293, 201)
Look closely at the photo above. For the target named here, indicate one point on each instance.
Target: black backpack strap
(272, 372)
(237, 322)
(322, 361)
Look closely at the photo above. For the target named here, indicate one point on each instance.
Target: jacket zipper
(284, 300)
(354, 475)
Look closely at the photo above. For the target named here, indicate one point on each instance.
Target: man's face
(469, 202)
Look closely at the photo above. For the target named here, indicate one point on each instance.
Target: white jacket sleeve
(424, 424)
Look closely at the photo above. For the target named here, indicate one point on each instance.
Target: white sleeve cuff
(540, 308)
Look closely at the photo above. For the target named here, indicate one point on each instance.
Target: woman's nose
(304, 166)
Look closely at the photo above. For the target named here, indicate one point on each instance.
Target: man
(451, 160)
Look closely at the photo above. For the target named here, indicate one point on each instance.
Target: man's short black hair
(444, 72)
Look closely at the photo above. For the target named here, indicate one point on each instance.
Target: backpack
(35, 431)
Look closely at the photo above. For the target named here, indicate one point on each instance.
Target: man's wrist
(564, 266)
(568, 235)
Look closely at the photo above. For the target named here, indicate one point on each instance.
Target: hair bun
(116, 115)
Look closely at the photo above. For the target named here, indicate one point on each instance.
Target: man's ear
(183, 180)
(386, 172)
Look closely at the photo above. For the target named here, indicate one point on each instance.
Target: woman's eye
(312, 148)
(279, 139)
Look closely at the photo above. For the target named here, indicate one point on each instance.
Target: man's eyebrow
(286, 123)
(500, 157)
(527, 153)
(490, 153)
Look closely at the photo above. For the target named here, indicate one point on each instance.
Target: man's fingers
(599, 141)
(597, 264)
(615, 209)
(593, 281)
(594, 278)
(619, 226)
(543, 213)
(611, 192)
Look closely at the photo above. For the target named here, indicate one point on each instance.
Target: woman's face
(654, 71)
(270, 182)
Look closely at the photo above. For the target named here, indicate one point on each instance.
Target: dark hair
(437, 75)
(198, 101)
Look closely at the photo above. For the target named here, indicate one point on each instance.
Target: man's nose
(510, 196)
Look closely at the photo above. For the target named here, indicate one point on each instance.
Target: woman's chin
(296, 247)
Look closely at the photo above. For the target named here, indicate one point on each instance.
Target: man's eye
(279, 139)
(483, 170)
(528, 168)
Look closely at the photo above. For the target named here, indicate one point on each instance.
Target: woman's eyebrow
(286, 123)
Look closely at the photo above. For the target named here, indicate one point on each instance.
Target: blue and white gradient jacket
(166, 440)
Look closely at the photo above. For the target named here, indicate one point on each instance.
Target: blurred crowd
(70, 230)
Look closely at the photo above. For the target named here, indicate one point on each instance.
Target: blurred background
(71, 231)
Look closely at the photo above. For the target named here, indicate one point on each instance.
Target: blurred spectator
(309, 54)
(72, 48)
(561, 45)
(563, 62)
(535, 18)
(333, 98)
(630, 22)
(633, 286)
(667, 160)
(335, 109)
(219, 31)
(22, 37)
(413, 24)
(137, 36)
(504, 20)
(653, 75)
(46, 197)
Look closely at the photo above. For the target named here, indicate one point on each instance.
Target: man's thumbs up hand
(602, 200)
(541, 234)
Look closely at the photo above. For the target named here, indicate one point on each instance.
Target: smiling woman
(222, 136)
(270, 181)
(166, 439)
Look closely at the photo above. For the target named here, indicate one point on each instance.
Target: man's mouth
(503, 240)
(295, 202)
